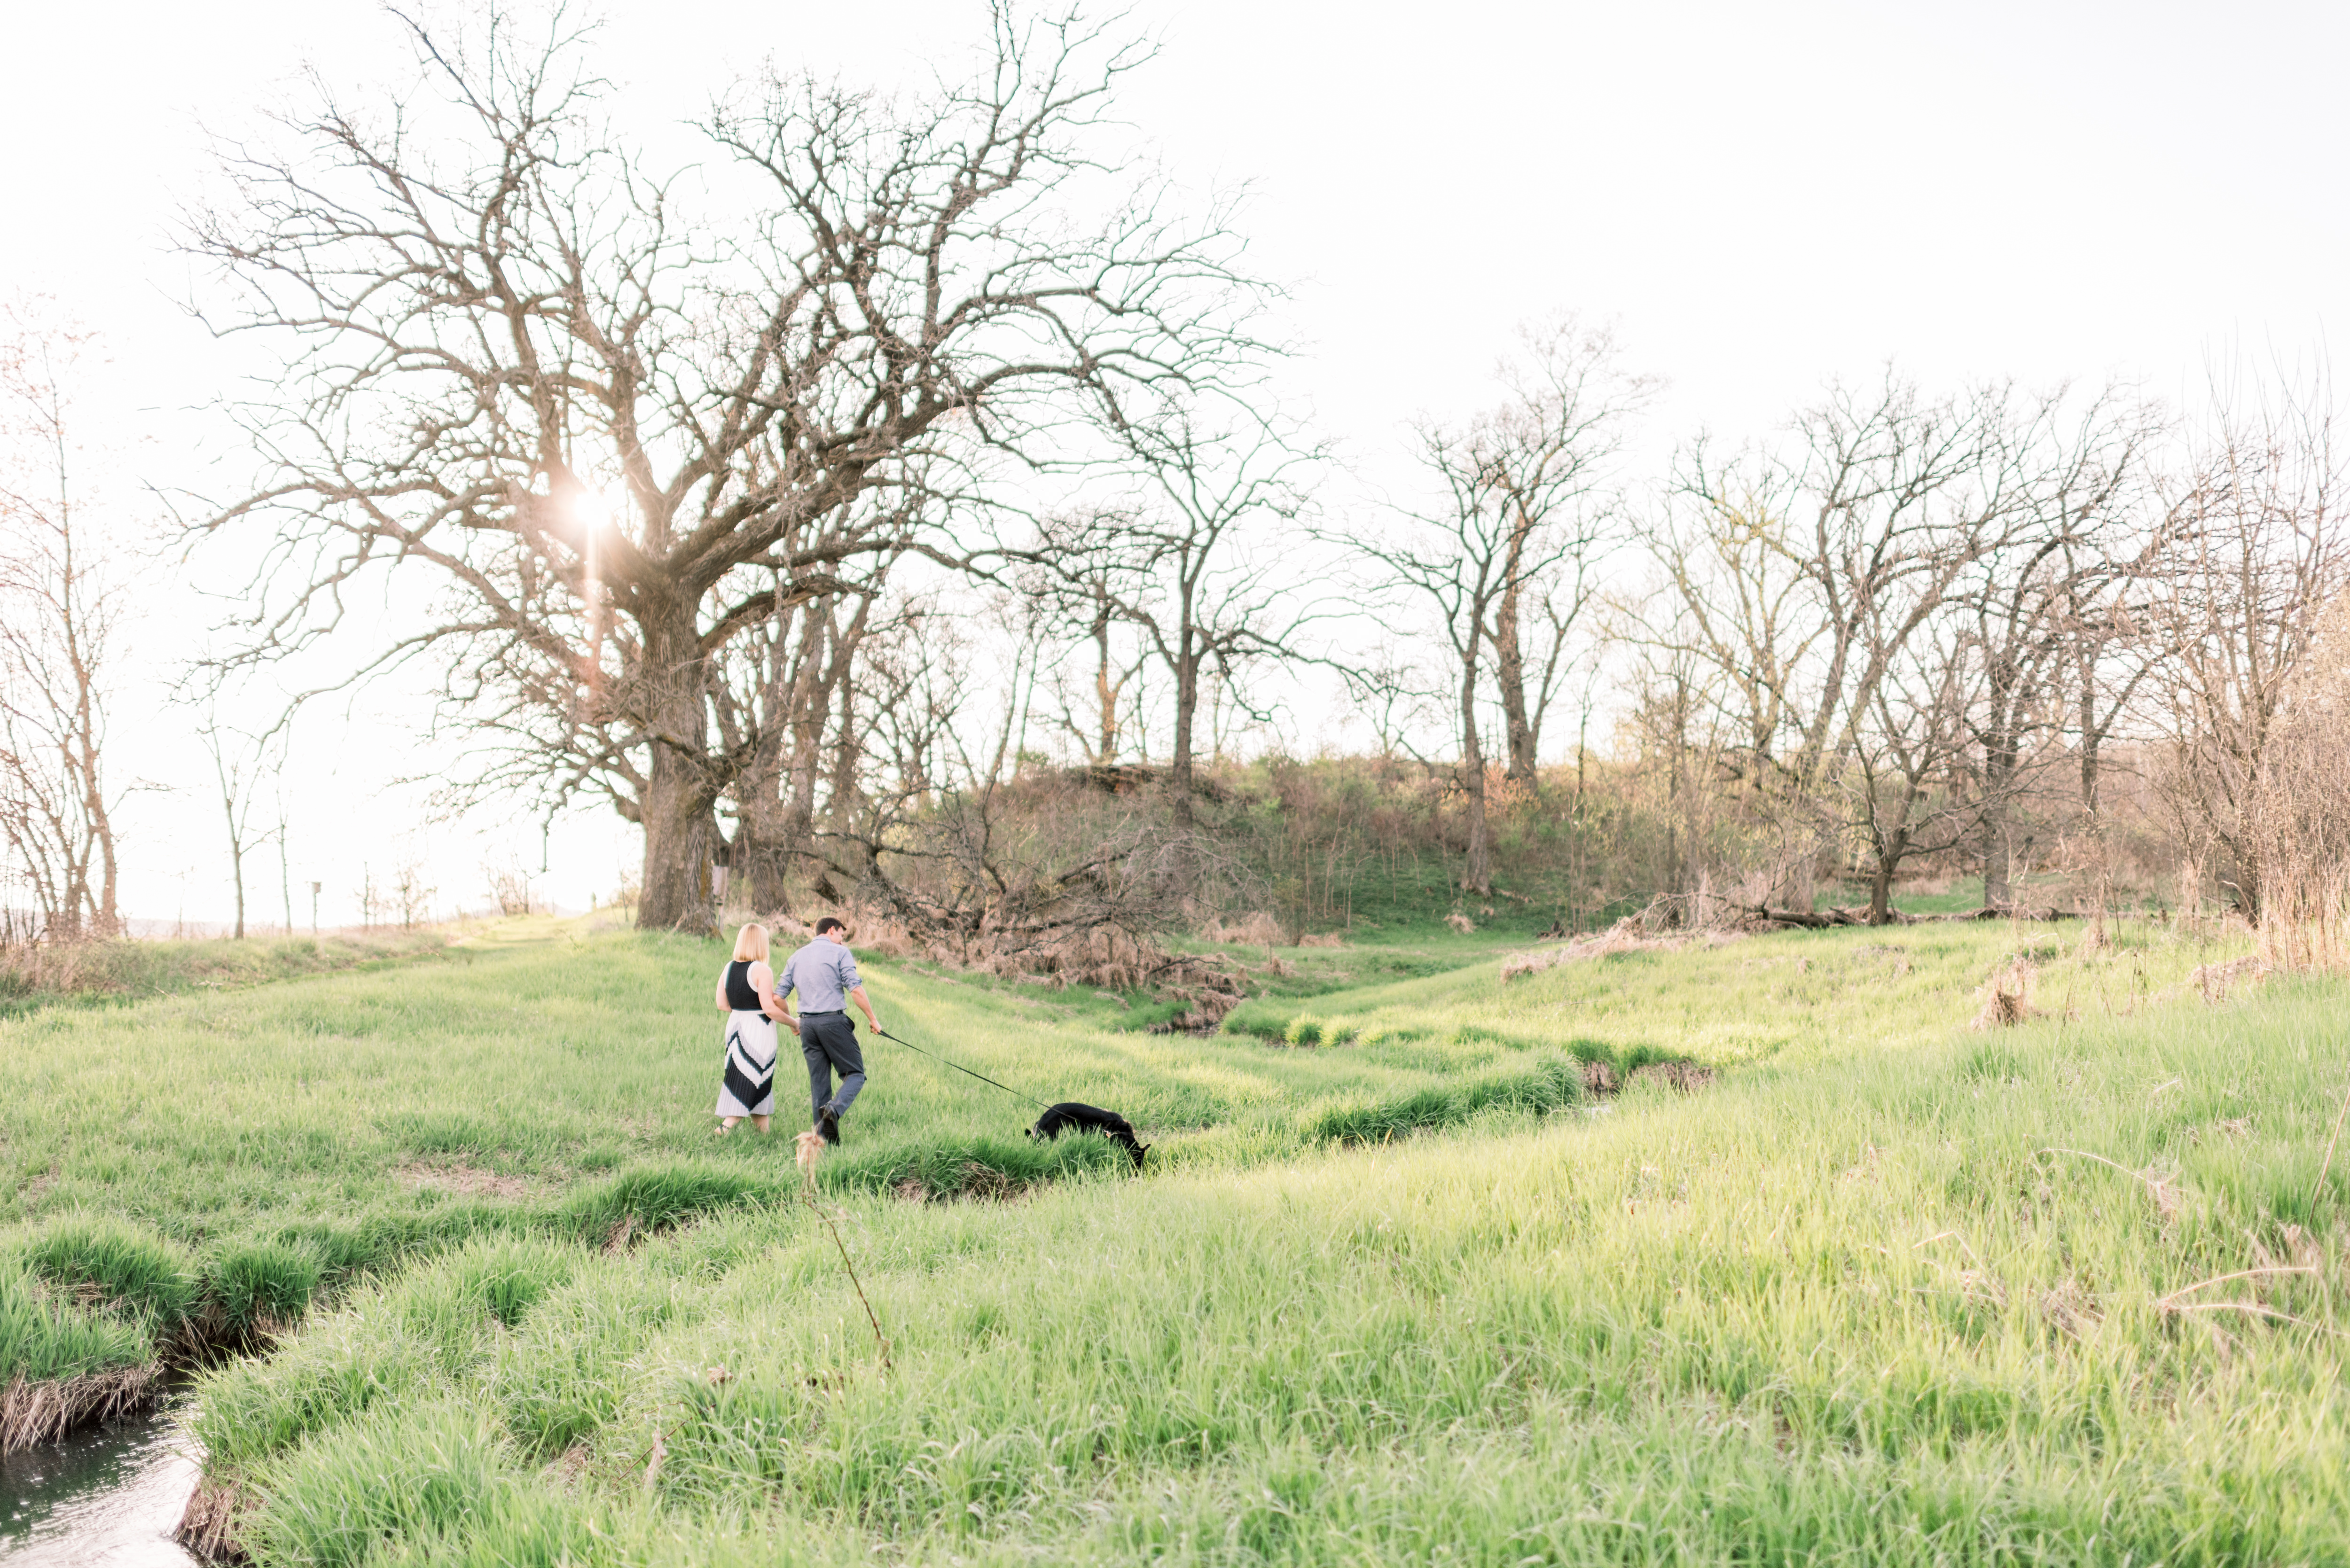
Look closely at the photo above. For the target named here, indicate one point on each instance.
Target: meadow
(1397, 1286)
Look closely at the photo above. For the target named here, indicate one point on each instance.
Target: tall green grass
(1398, 1289)
(104, 973)
(265, 1148)
(1846, 1311)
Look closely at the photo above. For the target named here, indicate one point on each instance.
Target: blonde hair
(751, 943)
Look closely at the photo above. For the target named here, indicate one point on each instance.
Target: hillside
(1875, 1295)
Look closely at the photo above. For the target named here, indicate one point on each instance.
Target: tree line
(794, 504)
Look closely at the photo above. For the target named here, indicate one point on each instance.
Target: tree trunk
(2091, 735)
(1105, 694)
(1187, 701)
(2000, 761)
(1880, 892)
(1509, 671)
(1477, 876)
(811, 704)
(1890, 847)
(236, 872)
(679, 831)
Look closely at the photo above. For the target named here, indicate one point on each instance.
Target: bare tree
(1552, 444)
(1081, 596)
(1521, 505)
(2256, 553)
(2045, 603)
(62, 594)
(1186, 562)
(240, 763)
(618, 439)
(1832, 565)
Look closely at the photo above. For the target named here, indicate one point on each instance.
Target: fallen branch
(2258, 1310)
(2169, 1303)
(809, 1148)
(2330, 1142)
(2165, 1199)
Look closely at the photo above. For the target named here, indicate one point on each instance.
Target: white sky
(1760, 196)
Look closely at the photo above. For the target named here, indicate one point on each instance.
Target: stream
(109, 1496)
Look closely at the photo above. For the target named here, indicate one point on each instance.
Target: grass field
(1406, 1293)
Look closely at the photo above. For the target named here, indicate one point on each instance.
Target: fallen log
(1808, 920)
(2008, 912)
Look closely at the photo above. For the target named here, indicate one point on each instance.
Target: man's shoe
(827, 1122)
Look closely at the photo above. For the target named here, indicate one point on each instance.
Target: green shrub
(1553, 1083)
(110, 1265)
(258, 1287)
(978, 1168)
(653, 1198)
(507, 1276)
(391, 1474)
(41, 1337)
(555, 1381)
(255, 1408)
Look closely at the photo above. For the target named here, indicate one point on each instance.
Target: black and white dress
(748, 1089)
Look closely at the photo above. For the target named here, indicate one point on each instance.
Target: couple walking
(751, 994)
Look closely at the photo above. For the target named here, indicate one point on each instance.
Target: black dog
(1109, 1124)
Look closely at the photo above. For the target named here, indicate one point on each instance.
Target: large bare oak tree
(613, 436)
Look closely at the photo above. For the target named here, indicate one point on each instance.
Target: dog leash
(958, 1067)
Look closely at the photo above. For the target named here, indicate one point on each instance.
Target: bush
(1553, 1083)
(42, 1338)
(389, 1475)
(106, 1265)
(261, 1287)
(654, 1197)
(976, 1168)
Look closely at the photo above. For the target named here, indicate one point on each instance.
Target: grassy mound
(110, 971)
(1858, 1311)
(1392, 1292)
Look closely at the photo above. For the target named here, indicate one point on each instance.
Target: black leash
(960, 1068)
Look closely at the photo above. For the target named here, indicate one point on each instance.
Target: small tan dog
(807, 1148)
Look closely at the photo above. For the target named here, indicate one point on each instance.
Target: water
(109, 1497)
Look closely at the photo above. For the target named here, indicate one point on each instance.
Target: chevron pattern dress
(748, 1088)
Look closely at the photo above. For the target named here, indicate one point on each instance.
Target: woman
(746, 995)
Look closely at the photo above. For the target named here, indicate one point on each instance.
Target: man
(824, 973)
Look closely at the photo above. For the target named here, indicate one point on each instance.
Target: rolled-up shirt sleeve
(784, 981)
(849, 981)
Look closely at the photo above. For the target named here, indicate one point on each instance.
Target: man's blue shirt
(824, 972)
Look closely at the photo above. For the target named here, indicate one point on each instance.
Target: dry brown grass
(212, 1524)
(1322, 939)
(1105, 957)
(2071, 1310)
(870, 931)
(142, 966)
(2215, 981)
(1254, 929)
(448, 1173)
(2007, 995)
(36, 1412)
(1626, 936)
(981, 1183)
(2298, 820)
(807, 1150)
(1686, 1076)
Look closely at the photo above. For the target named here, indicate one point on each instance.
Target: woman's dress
(748, 1088)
